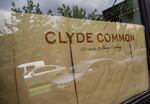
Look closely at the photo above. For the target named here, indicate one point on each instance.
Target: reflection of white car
(83, 67)
(36, 64)
(38, 74)
(45, 70)
(80, 69)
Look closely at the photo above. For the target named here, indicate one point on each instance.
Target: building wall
(111, 15)
(136, 16)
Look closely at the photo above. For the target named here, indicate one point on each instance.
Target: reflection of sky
(89, 5)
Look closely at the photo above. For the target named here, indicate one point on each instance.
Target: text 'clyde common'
(79, 37)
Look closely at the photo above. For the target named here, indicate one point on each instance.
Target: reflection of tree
(33, 8)
(95, 16)
(77, 12)
(9, 25)
(64, 10)
(29, 8)
(20, 19)
(74, 12)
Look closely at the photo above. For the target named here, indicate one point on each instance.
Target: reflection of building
(135, 12)
(127, 11)
(131, 11)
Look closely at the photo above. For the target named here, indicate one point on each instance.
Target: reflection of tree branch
(95, 16)
(31, 7)
(114, 2)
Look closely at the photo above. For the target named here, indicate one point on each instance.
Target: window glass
(100, 10)
(43, 69)
(53, 5)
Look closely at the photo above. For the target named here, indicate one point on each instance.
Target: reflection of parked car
(83, 67)
(38, 74)
(42, 76)
(79, 69)
(36, 64)
(49, 69)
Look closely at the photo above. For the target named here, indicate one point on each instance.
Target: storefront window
(72, 52)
